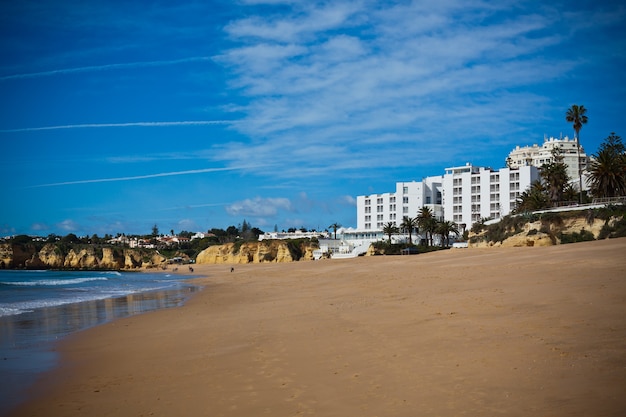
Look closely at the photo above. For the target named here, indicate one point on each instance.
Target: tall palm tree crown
(608, 169)
(445, 228)
(578, 117)
(554, 173)
(427, 221)
(335, 226)
(389, 229)
(408, 224)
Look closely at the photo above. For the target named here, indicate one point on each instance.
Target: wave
(16, 308)
(53, 282)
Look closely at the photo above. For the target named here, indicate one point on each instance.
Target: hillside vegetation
(552, 228)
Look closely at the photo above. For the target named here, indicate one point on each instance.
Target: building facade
(471, 193)
(536, 155)
(464, 195)
(374, 210)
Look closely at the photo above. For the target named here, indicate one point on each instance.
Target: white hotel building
(463, 195)
(536, 155)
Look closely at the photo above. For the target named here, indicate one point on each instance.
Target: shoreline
(513, 331)
(30, 339)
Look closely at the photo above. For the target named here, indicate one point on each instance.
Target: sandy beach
(476, 332)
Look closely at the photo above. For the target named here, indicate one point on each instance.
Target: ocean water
(38, 308)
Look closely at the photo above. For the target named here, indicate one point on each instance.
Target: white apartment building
(471, 193)
(536, 155)
(373, 211)
(463, 195)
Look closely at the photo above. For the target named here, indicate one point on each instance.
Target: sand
(476, 332)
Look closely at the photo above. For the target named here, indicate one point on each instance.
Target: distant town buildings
(298, 234)
(138, 242)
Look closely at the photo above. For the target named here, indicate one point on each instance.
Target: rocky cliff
(52, 256)
(547, 230)
(257, 252)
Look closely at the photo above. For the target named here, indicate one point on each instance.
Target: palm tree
(389, 229)
(446, 227)
(335, 226)
(533, 198)
(608, 169)
(408, 224)
(555, 176)
(577, 116)
(427, 222)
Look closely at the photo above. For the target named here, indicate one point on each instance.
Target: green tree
(390, 229)
(155, 231)
(408, 224)
(445, 229)
(554, 174)
(335, 226)
(577, 115)
(533, 198)
(608, 169)
(427, 222)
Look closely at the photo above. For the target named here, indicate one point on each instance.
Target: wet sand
(476, 332)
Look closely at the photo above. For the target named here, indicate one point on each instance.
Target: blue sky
(191, 115)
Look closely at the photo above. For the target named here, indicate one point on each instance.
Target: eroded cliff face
(253, 252)
(540, 233)
(50, 256)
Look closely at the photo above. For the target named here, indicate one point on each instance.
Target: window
(405, 200)
(405, 190)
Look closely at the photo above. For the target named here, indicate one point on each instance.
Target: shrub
(583, 236)
(552, 218)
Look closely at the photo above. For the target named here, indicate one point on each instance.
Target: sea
(37, 308)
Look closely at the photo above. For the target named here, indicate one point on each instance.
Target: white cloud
(322, 81)
(68, 226)
(38, 227)
(129, 124)
(259, 207)
(106, 67)
(147, 176)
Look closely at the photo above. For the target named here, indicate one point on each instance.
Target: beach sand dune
(476, 332)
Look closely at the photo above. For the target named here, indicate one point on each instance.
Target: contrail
(140, 177)
(143, 124)
(104, 68)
